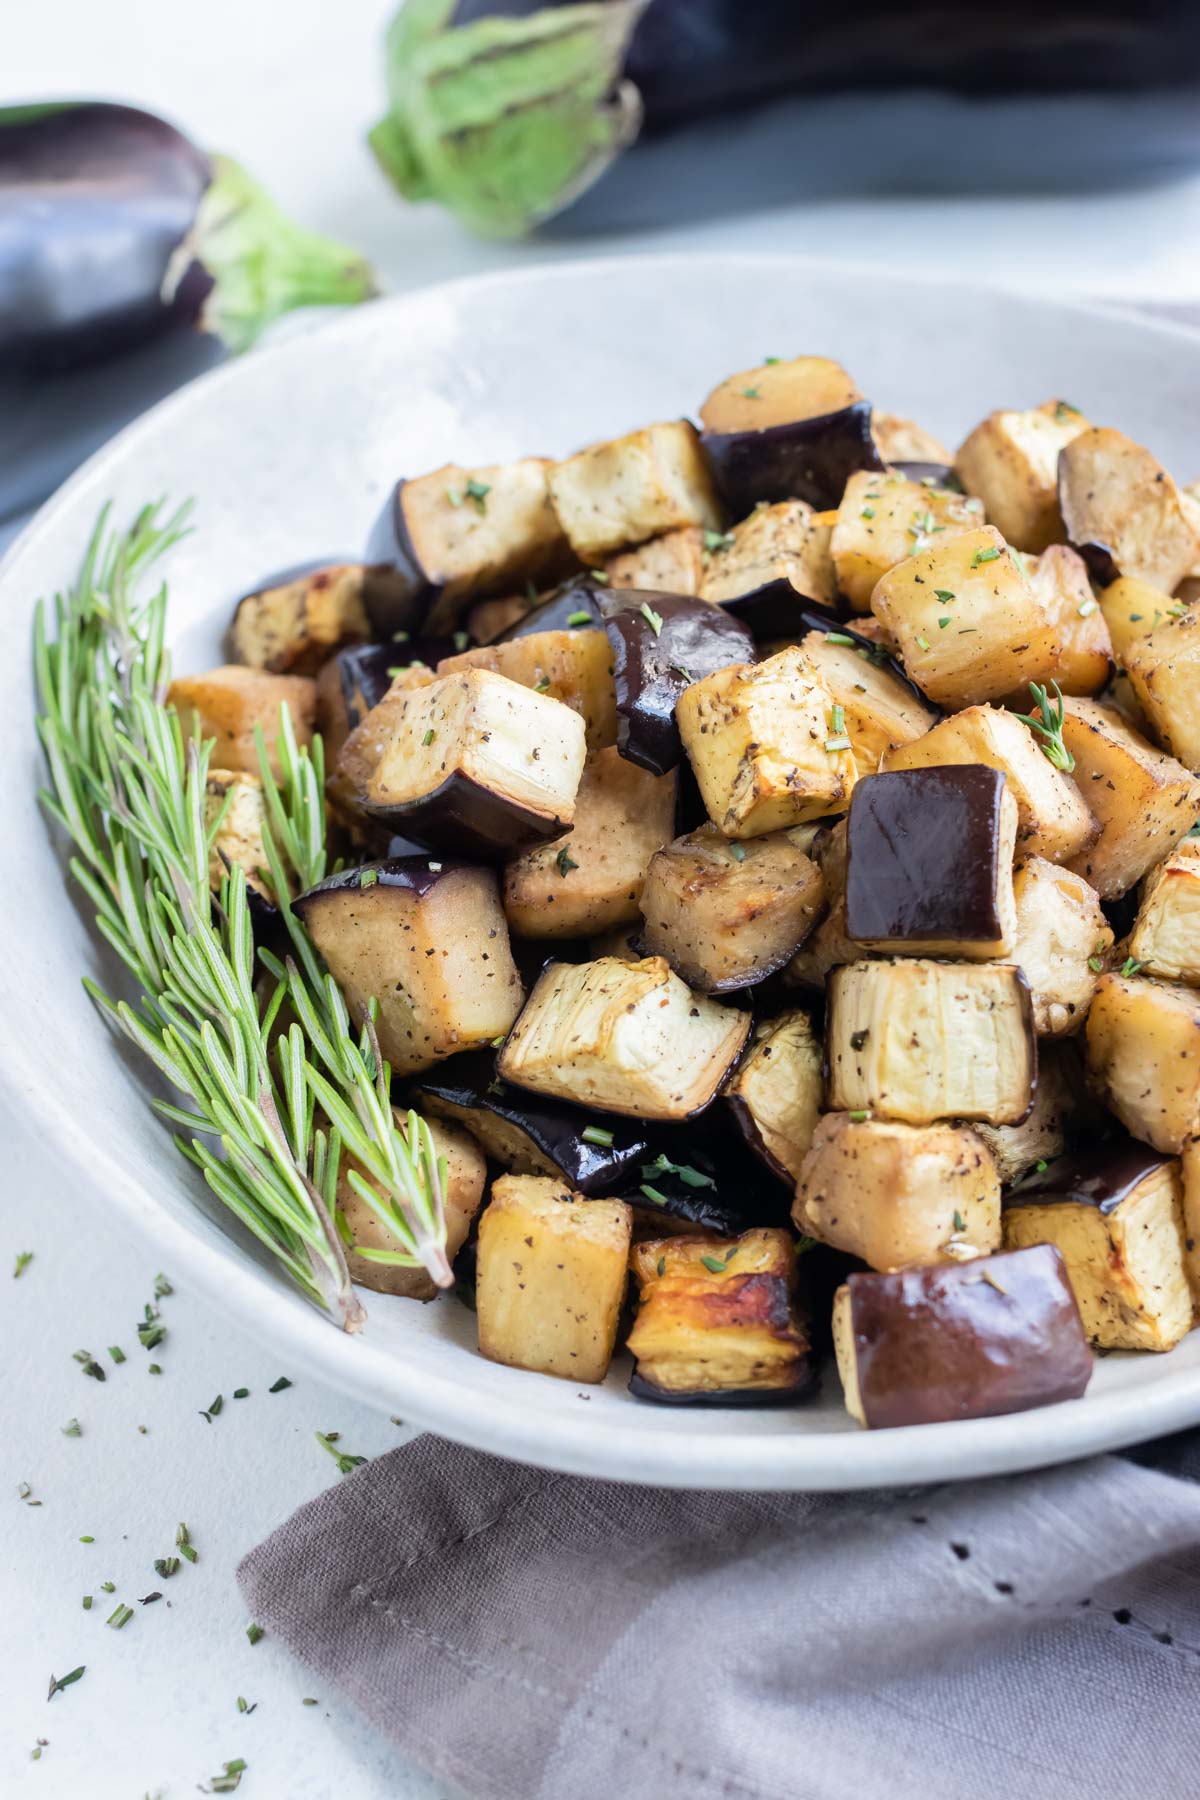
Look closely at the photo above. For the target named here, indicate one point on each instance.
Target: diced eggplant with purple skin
(968, 1340)
(806, 459)
(574, 606)
(428, 942)
(348, 688)
(476, 763)
(297, 619)
(662, 643)
(775, 613)
(930, 862)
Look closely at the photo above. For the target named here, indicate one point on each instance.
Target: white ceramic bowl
(288, 455)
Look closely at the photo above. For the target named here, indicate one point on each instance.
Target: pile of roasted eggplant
(771, 850)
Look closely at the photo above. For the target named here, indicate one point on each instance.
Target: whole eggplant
(115, 228)
(506, 111)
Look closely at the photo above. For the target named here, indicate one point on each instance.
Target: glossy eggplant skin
(561, 611)
(415, 874)
(1101, 1175)
(463, 815)
(967, 1340)
(923, 849)
(806, 459)
(777, 611)
(397, 591)
(94, 199)
(661, 643)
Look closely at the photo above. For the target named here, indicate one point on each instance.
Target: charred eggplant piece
(624, 1037)
(777, 1091)
(477, 762)
(787, 542)
(1011, 462)
(968, 1340)
(792, 430)
(575, 606)
(457, 535)
(551, 1273)
(1115, 1214)
(660, 643)
(427, 940)
(293, 623)
(1122, 511)
(930, 863)
(776, 614)
(717, 1324)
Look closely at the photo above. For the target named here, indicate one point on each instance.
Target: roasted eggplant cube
(352, 763)
(795, 429)
(1011, 462)
(885, 518)
(785, 543)
(966, 619)
(531, 1135)
(1016, 1149)
(725, 915)
(960, 1340)
(1132, 609)
(293, 627)
(618, 494)
(1166, 935)
(1143, 1055)
(236, 800)
(898, 1195)
(717, 1322)
(348, 687)
(226, 704)
(457, 535)
(572, 666)
(900, 440)
(1060, 584)
(623, 1037)
(882, 709)
(591, 880)
(1062, 943)
(1144, 801)
(476, 762)
(551, 1277)
(674, 563)
(660, 643)
(921, 1041)
(429, 943)
(1115, 1214)
(824, 951)
(1164, 672)
(489, 619)
(930, 870)
(1122, 511)
(767, 746)
(1052, 819)
(372, 1239)
(777, 1090)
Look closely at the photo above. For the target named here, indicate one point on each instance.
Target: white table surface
(289, 89)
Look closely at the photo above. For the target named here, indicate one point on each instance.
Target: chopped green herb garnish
(653, 619)
(72, 1428)
(599, 576)
(154, 1369)
(1048, 727)
(661, 1265)
(241, 1393)
(718, 540)
(166, 1566)
(429, 736)
(214, 1407)
(959, 1223)
(923, 642)
(87, 1540)
(87, 1603)
(328, 1441)
(229, 1781)
(119, 1617)
(565, 862)
(542, 686)
(751, 394)
(58, 1682)
(478, 491)
(716, 1265)
(89, 1364)
(1063, 411)
(835, 744)
(837, 721)
(277, 1387)
(244, 1707)
(460, 640)
(945, 595)
(984, 556)
(943, 622)
(1096, 965)
(254, 1632)
(804, 1244)
(1041, 1165)
(840, 637)
(738, 852)
(116, 1352)
(162, 1287)
(691, 1177)
(580, 618)
(1130, 967)
(1087, 608)
(596, 1134)
(24, 1258)
(368, 878)
(768, 360)
(868, 512)
(857, 1117)
(454, 496)
(652, 1193)
(108, 1587)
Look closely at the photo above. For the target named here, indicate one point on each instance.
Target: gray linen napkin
(530, 1636)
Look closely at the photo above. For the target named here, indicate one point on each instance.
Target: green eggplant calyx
(260, 262)
(505, 121)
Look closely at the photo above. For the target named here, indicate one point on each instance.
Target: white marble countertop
(290, 91)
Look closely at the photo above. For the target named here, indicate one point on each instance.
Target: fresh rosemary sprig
(130, 791)
(1048, 725)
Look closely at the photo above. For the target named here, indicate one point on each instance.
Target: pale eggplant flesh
(803, 1386)
(804, 459)
(661, 643)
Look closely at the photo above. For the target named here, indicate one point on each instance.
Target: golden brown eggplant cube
(883, 519)
(1143, 800)
(1011, 462)
(1165, 939)
(1143, 1055)
(1062, 943)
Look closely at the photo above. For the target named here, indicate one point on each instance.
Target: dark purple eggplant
(825, 102)
(114, 228)
(1099, 1175)
(661, 643)
(807, 459)
(776, 611)
(928, 864)
(574, 606)
(965, 1340)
